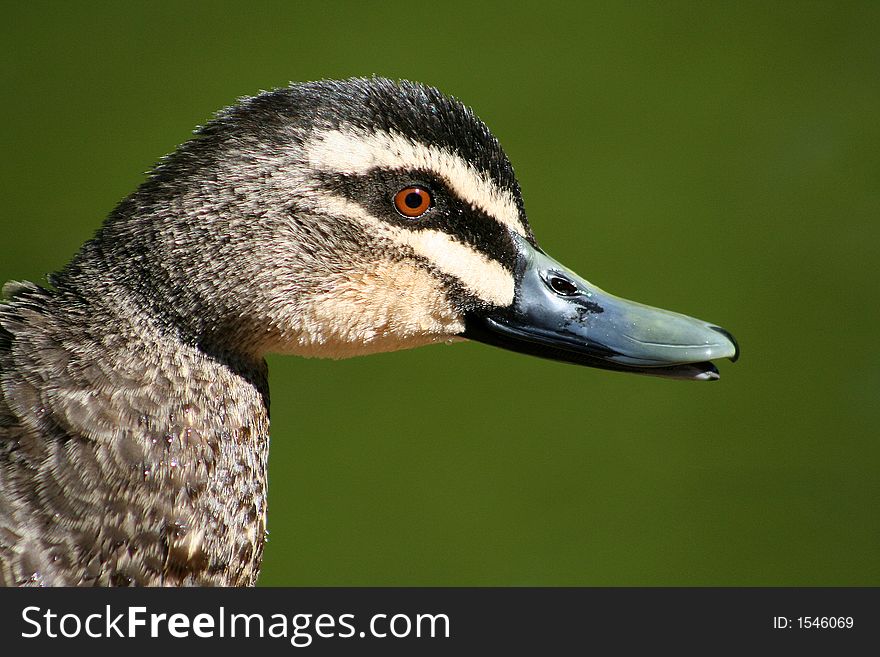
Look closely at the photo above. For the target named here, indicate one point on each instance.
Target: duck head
(340, 218)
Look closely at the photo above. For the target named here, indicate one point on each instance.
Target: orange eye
(413, 202)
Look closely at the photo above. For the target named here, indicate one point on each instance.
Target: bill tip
(727, 334)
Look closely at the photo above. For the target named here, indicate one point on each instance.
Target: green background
(722, 160)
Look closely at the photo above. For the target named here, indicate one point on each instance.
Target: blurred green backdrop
(719, 160)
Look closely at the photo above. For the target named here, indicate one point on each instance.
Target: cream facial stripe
(347, 151)
(482, 276)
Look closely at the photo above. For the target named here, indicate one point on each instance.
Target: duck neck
(130, 281)
(178, 428)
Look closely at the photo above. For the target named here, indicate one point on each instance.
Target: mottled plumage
(134, 427)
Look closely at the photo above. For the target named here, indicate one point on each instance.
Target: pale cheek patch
(484, 278)
(352, 152)
(393, 306)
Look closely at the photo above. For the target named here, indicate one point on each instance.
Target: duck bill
(557, 314)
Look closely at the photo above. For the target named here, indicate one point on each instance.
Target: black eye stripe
(375, 192)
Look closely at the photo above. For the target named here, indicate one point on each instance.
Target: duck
(326, 219)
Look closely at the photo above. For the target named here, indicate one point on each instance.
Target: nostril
(562, 286)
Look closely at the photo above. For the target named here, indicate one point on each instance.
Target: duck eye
(413, 202)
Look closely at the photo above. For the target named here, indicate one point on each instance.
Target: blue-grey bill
(557, 314)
